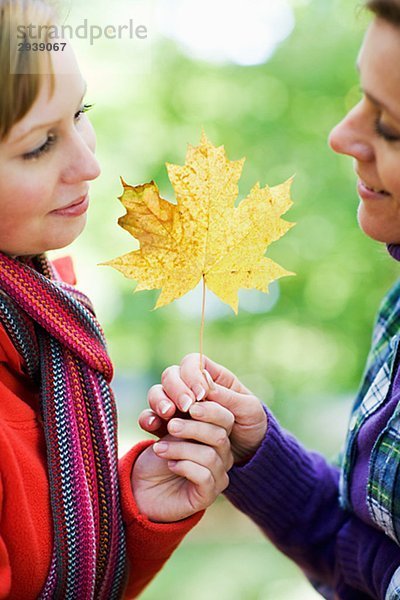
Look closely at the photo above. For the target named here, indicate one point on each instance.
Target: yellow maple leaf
(203, 235)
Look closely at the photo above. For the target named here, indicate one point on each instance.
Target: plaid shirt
(383, 490)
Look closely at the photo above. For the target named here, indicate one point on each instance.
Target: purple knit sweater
(292, 494)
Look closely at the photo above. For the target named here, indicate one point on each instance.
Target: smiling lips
(367, 192)
(374, 189)
(76, 208)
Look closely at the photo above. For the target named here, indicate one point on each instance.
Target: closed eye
(52, 138)
(385, 133)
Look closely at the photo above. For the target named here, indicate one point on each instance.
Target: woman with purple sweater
(340, 524)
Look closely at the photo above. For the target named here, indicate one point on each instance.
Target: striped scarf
(53, 327)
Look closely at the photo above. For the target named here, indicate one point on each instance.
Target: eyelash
(51, 137)
(384, 134)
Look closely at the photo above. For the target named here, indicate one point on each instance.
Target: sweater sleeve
(292, 495)
(5, 567)
(149, 545)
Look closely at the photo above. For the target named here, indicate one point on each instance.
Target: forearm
(149, 545)
(292, 494)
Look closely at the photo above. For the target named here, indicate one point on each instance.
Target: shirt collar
(394, 250)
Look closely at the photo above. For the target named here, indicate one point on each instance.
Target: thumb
(201, 380)
(238, 404)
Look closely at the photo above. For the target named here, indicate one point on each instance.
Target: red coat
(25, 516)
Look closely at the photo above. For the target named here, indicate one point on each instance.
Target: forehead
(68, 88)
(379, 61)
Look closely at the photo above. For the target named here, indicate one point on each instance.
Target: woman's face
(46, 163)
(370, 133)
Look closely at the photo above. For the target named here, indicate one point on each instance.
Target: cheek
(23, 196)
(389, 174)
(394, 182)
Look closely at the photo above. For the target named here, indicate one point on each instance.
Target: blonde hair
(21, 72)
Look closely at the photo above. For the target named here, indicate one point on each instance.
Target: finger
(210, 435)
(149, 421)
(206, 488)
(200, 454)
(160, 403)
(246, 408)
(193, 376)
(176, 389)
(212, 412)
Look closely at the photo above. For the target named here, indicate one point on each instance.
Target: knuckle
(190, 357)
(231, 420)
(221, 440)
(254, 408)
(154, 391)
(224, 482)
(208, 479)
(210, 456)
(167, 373)
(256, 402)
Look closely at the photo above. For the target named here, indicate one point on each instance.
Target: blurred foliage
(304, 353)
(313, 341)
(227, 559)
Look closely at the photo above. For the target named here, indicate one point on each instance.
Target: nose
(82, 165)
(352, 137)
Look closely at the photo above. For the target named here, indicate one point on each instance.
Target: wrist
(244, 452)
(138, 481)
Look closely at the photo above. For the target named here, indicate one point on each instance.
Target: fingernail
(175, 426)
(160, 446)
(151, 420)
(197, 410)
(199, 392)
(210, 381)
(164, 406)
(186, 402)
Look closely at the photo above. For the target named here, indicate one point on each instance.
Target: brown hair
(386, 9)
(21, 72)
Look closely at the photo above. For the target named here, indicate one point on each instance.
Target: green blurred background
(302, 347)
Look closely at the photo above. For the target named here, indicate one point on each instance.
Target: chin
(65, 237)
(376, 229)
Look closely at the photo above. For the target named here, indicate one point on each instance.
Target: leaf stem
(203, 308)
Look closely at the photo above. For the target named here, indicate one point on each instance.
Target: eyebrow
(377, 102)
(45, 125)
